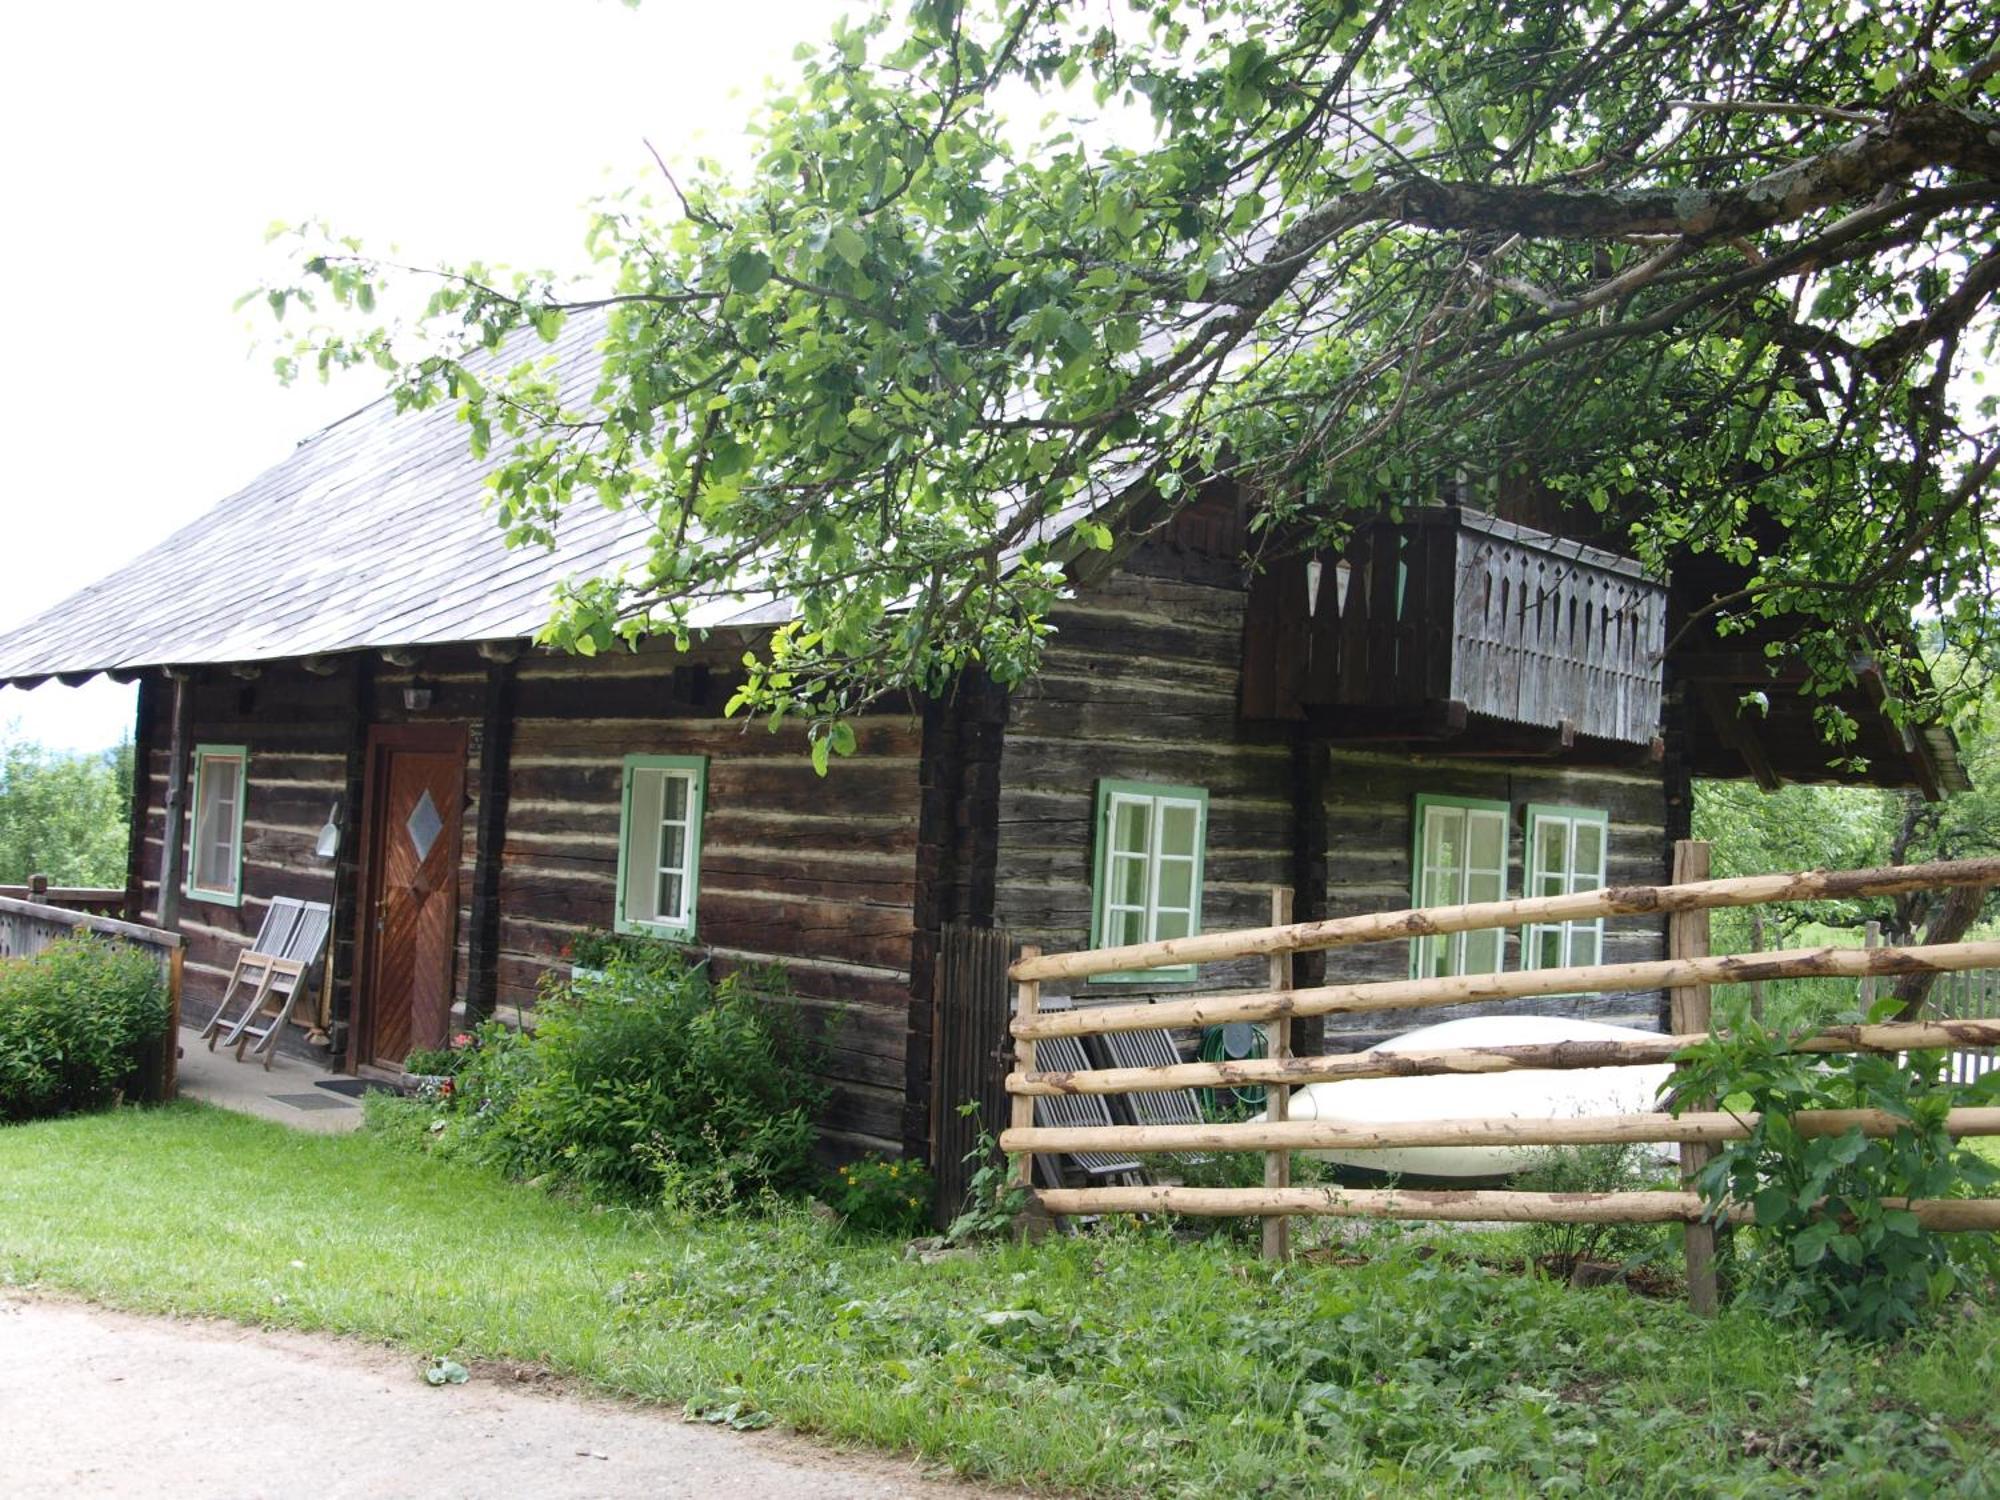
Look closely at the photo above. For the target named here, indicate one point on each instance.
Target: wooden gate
(970, 1052)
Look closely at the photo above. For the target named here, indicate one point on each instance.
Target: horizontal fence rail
(1479, 1206)
(1572, 1130)
(1253, 1072)
(1420, 994)
(1687, 970)
(1435, 921)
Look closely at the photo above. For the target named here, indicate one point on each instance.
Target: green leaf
(749, 270)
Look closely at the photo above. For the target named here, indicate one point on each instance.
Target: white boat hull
(1530, 1094)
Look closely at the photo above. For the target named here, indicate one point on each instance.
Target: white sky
(149, 146)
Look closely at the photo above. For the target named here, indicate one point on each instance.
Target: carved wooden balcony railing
(1448, 614)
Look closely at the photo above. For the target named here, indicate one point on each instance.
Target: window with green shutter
(1459, 856)
(215, 836)
(659, 844)
(1566, 851)
(1151, 843)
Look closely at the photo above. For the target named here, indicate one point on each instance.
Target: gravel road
(101, 1403)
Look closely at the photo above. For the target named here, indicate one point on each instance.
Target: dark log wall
(1370, 800)
(819, 874)
(1139, 683)
(296, 727)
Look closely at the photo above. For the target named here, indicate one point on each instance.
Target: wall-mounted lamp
(417, 697)
(328, 844)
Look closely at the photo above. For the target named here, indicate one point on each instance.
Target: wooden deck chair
(1064, 1054)
(287, 981)
(1152, 1049)
(252, 969)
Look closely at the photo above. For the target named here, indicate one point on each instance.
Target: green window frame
(215, 830)
(1147, 877)
(1566, 851)
(1458, 854)
(659, 844)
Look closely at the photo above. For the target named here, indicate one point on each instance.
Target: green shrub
(1610, 1167)
(1827, 1239)
(651, 1080)
(74, 1021)
(874, 1196)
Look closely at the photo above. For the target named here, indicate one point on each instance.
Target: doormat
(309, 1101)
(354, 1088)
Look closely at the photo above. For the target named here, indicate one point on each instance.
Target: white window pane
(1171, 924)
(673, 845)
(1484, 885)
(676, 799)
(1548, 948)
(1128, 881)
(1125, 927)
(642, 875)
(1589, 871)
(670, 908)
(1485, 837)
(215, 823)
(1482, 952)
(1584, 940)
(1131, 826)
(1176, 884)
(1549, 851)
(1178, 825)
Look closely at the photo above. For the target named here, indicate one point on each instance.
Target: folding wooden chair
(1064, 1054)
(253, 966)
(1152, 1049)
(285, 978)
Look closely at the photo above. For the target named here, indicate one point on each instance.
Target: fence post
(1871, 937)
(1278, 1096)
(1021, 1113)
(1687, 937)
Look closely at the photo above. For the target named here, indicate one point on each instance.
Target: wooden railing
(27, 927)
(1688, 972)
(103, 901)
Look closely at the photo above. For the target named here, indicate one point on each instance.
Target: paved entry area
(97, 1403)
(291, 1092)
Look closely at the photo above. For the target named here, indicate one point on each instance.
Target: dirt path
(100, 1403)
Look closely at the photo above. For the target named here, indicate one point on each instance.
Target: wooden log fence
(1688, 973)
(27, 927)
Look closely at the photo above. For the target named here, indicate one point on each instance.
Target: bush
(74, 1022)
(1828, 1240)
(651, 1080)
(1611, 1167)
(874, 1196)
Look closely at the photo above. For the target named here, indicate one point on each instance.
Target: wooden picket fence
(1687, 972)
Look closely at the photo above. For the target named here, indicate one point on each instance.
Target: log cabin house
(1462, 706)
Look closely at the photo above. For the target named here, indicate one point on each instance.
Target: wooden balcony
(1448, 615)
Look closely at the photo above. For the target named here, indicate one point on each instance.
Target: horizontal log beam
(1458, 1205)
(1335, 1067)
(1708, 1127)
(1414, 994)
(1613, 901)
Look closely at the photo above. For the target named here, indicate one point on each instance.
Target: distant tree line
(64, 814)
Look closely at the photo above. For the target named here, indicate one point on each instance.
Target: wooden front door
(409, 916)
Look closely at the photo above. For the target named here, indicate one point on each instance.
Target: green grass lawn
(1121, 1363)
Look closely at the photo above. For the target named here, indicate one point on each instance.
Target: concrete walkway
(98, 1403)
(289, 1093)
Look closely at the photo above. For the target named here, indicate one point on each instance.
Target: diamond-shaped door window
(424, 826)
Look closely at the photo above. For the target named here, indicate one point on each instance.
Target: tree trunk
(1962, 905)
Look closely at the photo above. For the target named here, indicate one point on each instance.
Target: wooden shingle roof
(372, 533)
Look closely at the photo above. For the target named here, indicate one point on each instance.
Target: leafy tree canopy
(63, 815)
(1722, 271)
